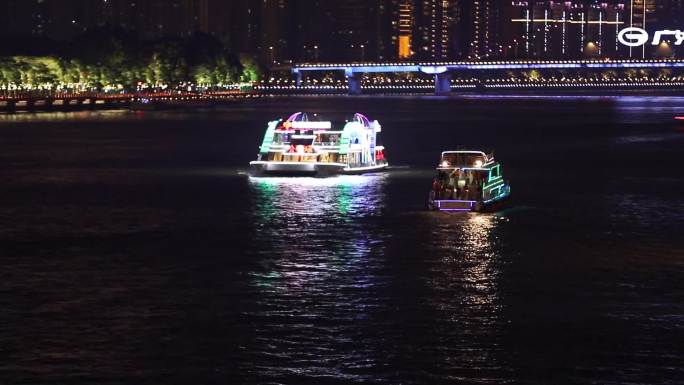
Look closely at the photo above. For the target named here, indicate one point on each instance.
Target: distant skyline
(283, 31)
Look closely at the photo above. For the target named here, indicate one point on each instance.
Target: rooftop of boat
(463, 159)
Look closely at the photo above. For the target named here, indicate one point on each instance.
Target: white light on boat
(300, 149)
(445, 164)
(311, 125)
(478, 163)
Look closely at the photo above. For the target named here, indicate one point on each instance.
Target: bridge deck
(439, 67)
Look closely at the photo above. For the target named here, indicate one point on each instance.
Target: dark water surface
(135, 250)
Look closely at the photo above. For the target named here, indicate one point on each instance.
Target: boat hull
(260, 168)
(364, 170)
(493, 205)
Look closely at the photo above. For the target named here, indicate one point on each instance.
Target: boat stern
(454, 205)
(262, 168)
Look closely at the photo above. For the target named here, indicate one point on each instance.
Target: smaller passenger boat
(468, 181)
(303, 145)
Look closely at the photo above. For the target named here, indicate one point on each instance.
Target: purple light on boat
(293, 117)
(363, 119)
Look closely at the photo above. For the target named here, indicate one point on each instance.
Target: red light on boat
(681, 118)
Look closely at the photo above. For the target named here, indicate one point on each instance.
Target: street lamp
(516, 47)
(272, 54)
(316, 53)
(664, 49)
(591, 49)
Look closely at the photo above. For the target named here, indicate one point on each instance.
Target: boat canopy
(465, 159)
(359, 130)
(303, 121)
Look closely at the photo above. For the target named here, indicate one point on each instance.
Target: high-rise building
(432, 30)
(63, 19)
(311, 25)
(354, 28)
(405, 24)
(274, 22)
(202, 16)
(642, 14)
(281, 31)
(387, 33)
(243, 21)
(25, 18)
(485, 23)
(562, 30)
(676, 13)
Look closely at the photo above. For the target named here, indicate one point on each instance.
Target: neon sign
(637, 37)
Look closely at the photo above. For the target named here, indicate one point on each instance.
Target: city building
(64, 19)
(284, 31)
(432, 29)
(393, 35)
(482, 24)
(405, 22)
(563, 30)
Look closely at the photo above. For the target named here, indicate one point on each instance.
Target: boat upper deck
(301, 139)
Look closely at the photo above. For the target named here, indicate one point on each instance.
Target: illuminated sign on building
(637, 37)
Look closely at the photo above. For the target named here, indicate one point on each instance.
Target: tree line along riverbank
(106, 60)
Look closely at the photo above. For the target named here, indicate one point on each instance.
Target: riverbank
(209, 101)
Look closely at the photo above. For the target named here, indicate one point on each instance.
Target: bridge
(442, 70)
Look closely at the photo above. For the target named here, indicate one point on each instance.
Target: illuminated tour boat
(468, 181)
(303, 146)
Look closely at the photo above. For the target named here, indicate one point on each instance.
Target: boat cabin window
(328, 139)
(281, 138)
(301, 141)
(460, 184)
(463, 159)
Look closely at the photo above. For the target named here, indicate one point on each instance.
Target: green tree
(250, 70)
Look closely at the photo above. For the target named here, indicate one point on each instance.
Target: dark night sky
(306, 30)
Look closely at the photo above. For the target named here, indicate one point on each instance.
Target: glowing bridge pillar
(354, 81)
(443, 84)
(298, 78)
(442, 78)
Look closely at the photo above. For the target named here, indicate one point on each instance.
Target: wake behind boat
(302, 145)
(468, 181)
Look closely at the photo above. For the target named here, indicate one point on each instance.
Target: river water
(136, 250)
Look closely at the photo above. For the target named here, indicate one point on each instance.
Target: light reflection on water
(311, 224)
(463, 281)
(329, 304)
(319, 261)
(317, 198)
(33, 117)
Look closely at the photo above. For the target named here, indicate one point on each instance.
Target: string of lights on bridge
(371, 64)
(483, 65)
